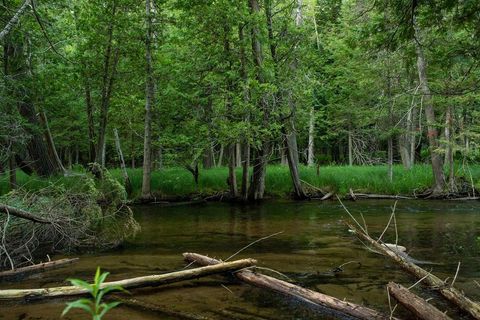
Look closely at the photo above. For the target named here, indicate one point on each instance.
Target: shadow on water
(313, 244)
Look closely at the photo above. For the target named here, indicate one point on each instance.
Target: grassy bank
(179, 182)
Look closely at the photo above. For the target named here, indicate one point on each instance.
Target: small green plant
(94, 306)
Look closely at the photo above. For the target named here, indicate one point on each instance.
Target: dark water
(314, 241)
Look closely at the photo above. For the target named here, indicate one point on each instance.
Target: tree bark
(449, 152)
(14, 20)
(418, 306)
(259, 280)
(51, 145)
(350, 148)
(126, 178)
(139, 282)
(109, 72)
(149, 102)
(19, 213)
(311, 137)
(432, 133)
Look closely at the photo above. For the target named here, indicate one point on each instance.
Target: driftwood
(22, 214)
(36, 268)
(418, 306)
(146, 281)
(259, 280)
(380, 196)
(449, 292)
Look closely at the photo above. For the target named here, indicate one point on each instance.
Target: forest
(122, 121)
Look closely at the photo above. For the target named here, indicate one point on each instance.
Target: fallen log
(381, 196)
(418, 306)
(449, 292)
(22, 214)
(36, 268)
(146, 281)
(319, 299)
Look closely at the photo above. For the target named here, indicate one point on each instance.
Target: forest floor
(178, 183)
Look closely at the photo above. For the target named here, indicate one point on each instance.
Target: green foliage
(97, 290)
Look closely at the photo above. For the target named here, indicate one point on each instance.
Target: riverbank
(178, 183)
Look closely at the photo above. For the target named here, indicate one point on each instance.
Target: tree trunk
(36, 268)
(232, 177)
(149, 101)
(109, 72)
(257, 185)
(90, 120)
(293, 165)
(238, 155)
(436, 159)
(126, 179)
(350, 148)
(220, 156)
(449, 154)
(245, 168)
(50, 144)
(311, 137)
(14, 20)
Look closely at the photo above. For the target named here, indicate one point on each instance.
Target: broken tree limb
(146, 281)
(22, 214)
(14, 20)
(449, 292)
(418, 306)
(36, 268)
(259, 280)
(380, 196)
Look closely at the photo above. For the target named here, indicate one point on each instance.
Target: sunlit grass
(177, 181)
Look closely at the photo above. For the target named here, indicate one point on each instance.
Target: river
(313, 242)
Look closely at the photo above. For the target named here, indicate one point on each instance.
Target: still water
(313, 242)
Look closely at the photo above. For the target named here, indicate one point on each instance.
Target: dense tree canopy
(240, 83)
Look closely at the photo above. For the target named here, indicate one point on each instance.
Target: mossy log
(319, 299)
(418, 306)
(146, 281)
(449, 292)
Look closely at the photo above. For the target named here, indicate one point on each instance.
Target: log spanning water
(338, 306)
(146, 281)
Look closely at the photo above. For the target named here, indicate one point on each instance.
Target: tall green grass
(177, 181)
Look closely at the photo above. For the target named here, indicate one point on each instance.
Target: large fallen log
(319, 299)
(146, 281)
(418, 306)
(36, 268)
(22, 214)
(449, 292)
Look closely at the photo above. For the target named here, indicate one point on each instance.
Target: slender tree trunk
(50, 144)
(257, 185)
(436, 159)
(14, 20)
(220, 156)
(149, 101)
(238, 155)
(350, 148)
(109, 72)
(126, 178)
(90, 120)
(311, 137)
(246, 99)
(449, 154)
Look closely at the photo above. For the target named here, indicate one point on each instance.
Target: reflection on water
(313, 243)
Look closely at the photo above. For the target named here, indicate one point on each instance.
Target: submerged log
(319, 299)
(449, 292)
(380, 196)
(146, 281)
(36, 268)
(418, 306)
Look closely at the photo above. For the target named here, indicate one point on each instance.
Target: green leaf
(81, 284)
(107, 306)
(83, 304)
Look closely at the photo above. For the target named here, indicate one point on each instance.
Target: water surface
(313, 243)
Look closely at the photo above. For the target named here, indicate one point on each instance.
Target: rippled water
(314, 241)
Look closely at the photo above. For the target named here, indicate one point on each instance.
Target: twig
(251, 244)
(351, 216)
(421, 279)
(456, 274)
